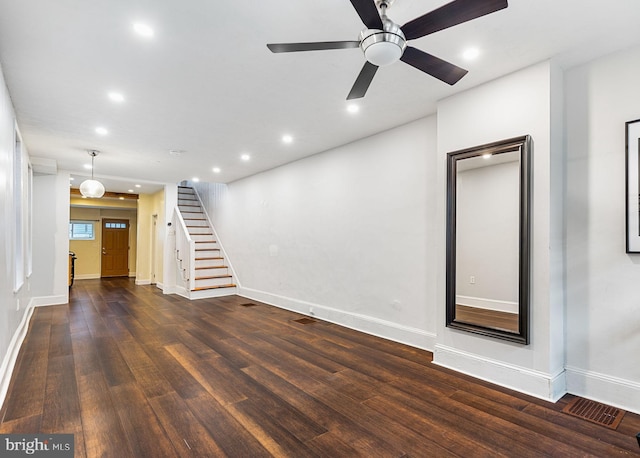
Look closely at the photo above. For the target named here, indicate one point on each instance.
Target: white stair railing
(185, 251)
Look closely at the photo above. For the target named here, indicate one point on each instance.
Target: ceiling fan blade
(368, 12)
(454, 13)
(315, 46)
(363, 81)
(433, 65)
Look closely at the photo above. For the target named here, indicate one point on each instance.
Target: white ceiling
(206, 83)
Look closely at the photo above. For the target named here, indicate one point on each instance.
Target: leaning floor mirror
(488, 215)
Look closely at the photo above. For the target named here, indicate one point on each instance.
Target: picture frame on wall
(632, 162)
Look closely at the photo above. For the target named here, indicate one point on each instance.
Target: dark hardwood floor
(489, 318)
(134, 373)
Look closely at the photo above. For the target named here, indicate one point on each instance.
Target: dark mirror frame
(524, 145)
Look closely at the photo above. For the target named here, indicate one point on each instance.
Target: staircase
(206, 263)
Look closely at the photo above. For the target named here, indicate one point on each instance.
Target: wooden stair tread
(212, 277)
(208, 249)
(206, 259)
(212, 267)
(202, 288)
(206, 241)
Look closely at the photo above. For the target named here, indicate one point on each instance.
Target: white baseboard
(87, 277)
(48, 300)
(382, 328)
(618, 392)
(179, 290)
(141, 282)
(549, 387)
(9, 361)
(488, 304)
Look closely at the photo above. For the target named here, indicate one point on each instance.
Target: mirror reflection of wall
(487, 239)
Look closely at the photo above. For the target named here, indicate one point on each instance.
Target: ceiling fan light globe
(92, 188)
(383, 47)
(383, 53)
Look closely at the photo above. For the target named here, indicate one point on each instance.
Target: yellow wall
(148, 254)
(89, 252)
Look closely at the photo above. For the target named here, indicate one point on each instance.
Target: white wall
(12, 305)
(347, 235)
(512, 106)
(487, 236)
(48, 282)
(603, 298)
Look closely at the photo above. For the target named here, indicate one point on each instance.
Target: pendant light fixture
(92, 188)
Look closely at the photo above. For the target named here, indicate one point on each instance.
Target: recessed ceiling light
(287, 138)
(486, 156)
(353, 108)
(471, 54)
(121, 198)
(116, 97)
(143, 30)
(88, 166)
(195, 179)
(101, 131)
(216, 170)
(71, 178)
(130, 190)
(245, 157)
(138, 186)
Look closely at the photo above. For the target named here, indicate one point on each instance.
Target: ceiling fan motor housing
(383, 47)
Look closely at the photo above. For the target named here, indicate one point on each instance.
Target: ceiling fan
(385, 42)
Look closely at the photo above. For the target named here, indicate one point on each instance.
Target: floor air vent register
(595, 412)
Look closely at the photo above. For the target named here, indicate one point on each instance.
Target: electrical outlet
(472, 280)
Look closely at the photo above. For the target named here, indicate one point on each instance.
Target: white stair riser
(196, 222)
(212, 272)
(205, 262)
(213, 282)
(191, 214)
(184, 209)
(208, 293)
(207, 246)
(202, 238)
(208, 254)
(200, 230)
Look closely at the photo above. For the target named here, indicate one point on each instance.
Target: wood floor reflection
(488, 318)
(135, 373)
